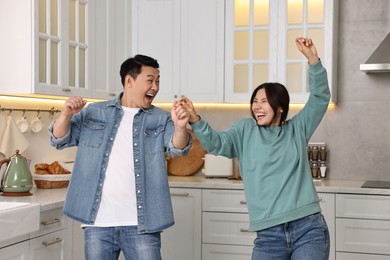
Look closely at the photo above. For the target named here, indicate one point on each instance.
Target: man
(119, 187)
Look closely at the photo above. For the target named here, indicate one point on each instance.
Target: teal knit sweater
(273, 160)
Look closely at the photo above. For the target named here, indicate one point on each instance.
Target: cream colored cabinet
(51, 241)
(187, 39)
(363, 226)
(112, 46)
(225, 224)
(260, 45)
(328, 207)
(17, 251)
(46, 47)
(183, 240)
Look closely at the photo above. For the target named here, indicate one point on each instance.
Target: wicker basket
(51, 181)
(44, 184)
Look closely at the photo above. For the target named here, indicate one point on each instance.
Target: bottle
(323, 153)
(314, 170)
(314, 153)
(323, 170)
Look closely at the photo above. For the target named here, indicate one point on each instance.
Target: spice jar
(323, 153)
(314, 170)
(314, 153)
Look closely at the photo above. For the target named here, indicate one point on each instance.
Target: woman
(282, 201)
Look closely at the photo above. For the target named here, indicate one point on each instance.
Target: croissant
(56, 168)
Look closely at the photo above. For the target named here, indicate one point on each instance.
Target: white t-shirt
(118, 206)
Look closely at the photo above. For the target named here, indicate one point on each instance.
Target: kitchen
(355, 129)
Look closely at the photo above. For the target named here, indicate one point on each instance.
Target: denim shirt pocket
(154, 139)
(92, 133)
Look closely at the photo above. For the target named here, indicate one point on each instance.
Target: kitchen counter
(48, 198)
(54, 198)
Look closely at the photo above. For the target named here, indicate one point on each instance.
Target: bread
(54, 168)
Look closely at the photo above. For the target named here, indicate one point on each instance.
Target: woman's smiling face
(263, 111)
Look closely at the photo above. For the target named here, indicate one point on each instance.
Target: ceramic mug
(36, 124)
(23, 124)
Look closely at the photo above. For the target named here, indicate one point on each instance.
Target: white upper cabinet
(187, 39)
(112, 46)
(260, 45)
(47, 47)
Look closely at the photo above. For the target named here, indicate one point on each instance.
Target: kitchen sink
(18, 218)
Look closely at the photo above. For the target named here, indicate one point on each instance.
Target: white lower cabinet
(50, 246)
(225, 224)
(49, 242)
(226, 252)
(183, 240)
(327, 203)
(363, 226)
(18, 251)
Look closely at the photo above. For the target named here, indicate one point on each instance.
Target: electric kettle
(17, 178)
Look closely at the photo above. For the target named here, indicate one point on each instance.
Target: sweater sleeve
(311, 115)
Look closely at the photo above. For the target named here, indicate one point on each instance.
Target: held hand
(189, 106)
(306, 46)
(179, 114)
(73, 105)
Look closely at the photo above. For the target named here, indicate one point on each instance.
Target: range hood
(379, 61)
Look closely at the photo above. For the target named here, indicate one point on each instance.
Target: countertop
(54, 198)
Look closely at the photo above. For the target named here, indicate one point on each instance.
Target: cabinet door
(226, 252)
(363, 236)
(187, 40)
(156, 33)
(260, 45)
(112, 46)
(15, 252)
(51, 246)
(226, 228)
(202, 52)
(183, 240)
(327, 203)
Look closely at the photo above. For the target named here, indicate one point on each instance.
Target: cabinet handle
(244, 230)
(243, 202)
(54, 241)
(182, 194)
(51, 222)
(66, 90)
(319, 198)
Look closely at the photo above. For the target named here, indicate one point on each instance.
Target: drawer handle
(112, 94)
(181, 194)
(51, 222)
(243, 202)
(244, 230)
(54, 241)
(66, 90)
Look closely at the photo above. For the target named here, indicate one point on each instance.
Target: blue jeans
(301, 239)
(106, 243)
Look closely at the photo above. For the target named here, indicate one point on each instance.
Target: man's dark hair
(132, 66)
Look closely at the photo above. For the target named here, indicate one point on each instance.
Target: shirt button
(136, 160)
(135, 144)
(137, 175)
(138, 191)
(139, 207)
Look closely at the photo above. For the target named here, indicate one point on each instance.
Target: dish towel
(12, 139)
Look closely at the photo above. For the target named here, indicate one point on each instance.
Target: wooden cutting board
(190, 164)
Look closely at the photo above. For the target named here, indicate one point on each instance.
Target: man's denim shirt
(93, 130)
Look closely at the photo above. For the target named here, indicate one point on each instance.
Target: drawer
(363, 206)
(224, 201)
(353, 256)
(226, 252)
(225, 228)
(51, 220)
(363, 236)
